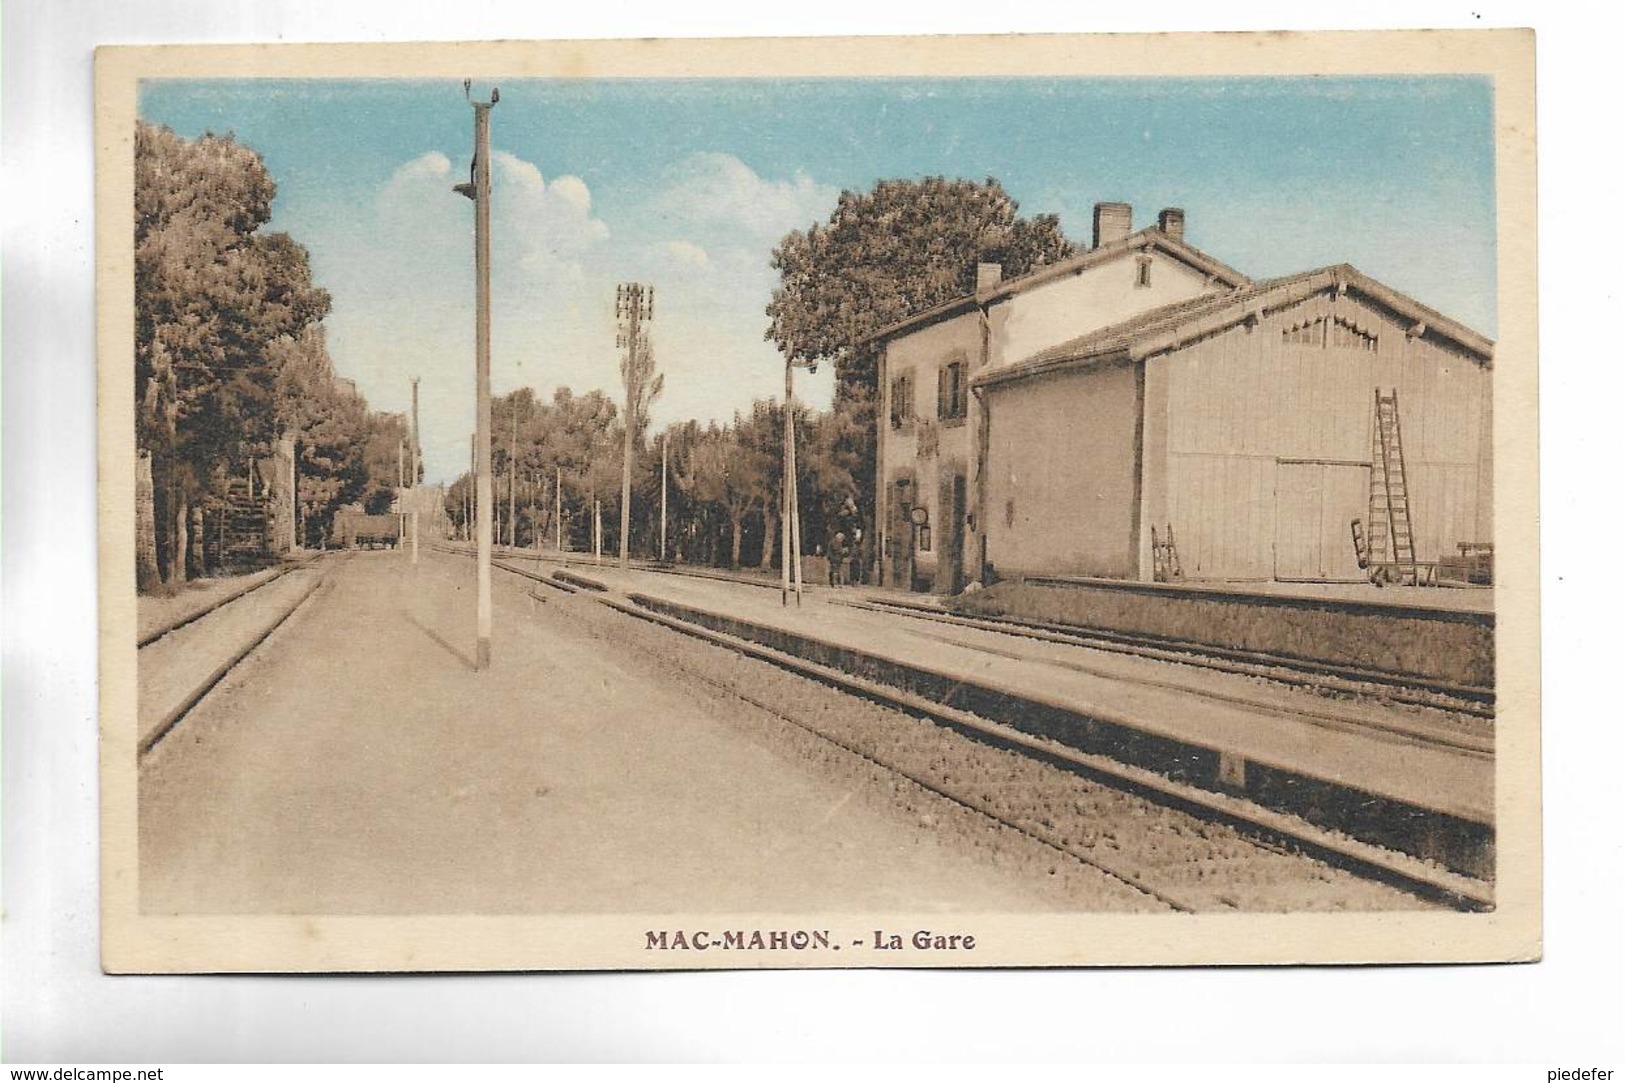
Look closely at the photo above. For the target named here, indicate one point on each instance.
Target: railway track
(153, 635)
(152, 733)
(1386, 685)
(1171, 884)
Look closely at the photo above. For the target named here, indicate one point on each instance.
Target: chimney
(1113, 222)
(1171, 220)
(988, 275)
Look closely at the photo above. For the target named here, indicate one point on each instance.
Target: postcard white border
(132, 942)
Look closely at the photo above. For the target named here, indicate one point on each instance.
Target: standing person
(850, 530)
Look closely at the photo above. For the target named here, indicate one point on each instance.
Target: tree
(642, 386)
(573, 439)
(761, 432)
(724, 471)
(889, 253)
(332, 430)
(692, 537)
(212, 295)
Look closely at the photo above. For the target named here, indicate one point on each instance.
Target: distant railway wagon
(358, 531)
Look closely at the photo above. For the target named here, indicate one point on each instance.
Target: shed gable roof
(1171, 326)
(1150, 237)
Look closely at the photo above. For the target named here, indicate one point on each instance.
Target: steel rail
(182, 621)
(1470, 699)
(218, 674)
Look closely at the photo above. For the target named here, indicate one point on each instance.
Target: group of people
(845, 545)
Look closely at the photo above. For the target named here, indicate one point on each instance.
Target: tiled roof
(1150, 237)
(1175, 324)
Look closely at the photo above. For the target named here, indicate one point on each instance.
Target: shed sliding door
(1315, 500)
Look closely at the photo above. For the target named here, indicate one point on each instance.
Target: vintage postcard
(929, 502)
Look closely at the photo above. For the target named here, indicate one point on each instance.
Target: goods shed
(1245, 425)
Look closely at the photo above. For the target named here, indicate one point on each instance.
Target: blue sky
(688, 184)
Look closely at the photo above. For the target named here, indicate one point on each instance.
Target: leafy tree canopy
(896, 250)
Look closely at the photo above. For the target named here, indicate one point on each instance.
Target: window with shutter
(902, 407)
(951, 391)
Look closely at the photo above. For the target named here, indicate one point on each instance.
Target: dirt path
(357, 764)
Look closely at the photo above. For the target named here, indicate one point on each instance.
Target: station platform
(1337, 761)
(1456, 599)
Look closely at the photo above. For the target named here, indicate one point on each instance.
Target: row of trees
(555, 463)
(231, 359)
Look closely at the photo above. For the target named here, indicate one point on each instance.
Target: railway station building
(1058, 423)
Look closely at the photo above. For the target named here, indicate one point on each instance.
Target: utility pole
(634, 303)
(535, 534)
(293, 495)
(513, 471)
(784, 491)
(795, 504)
(479, 190)
(789, 498)
(400, 485)
(558, 509)
(417, 460)
(664, 440)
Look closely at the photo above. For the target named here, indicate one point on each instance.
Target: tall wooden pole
(663, 442)
(784, 489)
(634, 316)
(293, 495)
(795, 503)
(513, 473)
(417, 459)
(558, 509)
(480, 192)
(634, 303)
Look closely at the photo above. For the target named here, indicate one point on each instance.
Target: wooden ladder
(1165, 557)
(1390, 544)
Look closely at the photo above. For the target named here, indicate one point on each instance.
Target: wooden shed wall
(1062, 473)
(1239, 419)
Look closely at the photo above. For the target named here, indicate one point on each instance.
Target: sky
(688, 185)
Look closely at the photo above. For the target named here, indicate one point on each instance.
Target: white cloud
(548, 224)
(708, 189)
(403, 282)
(686, 252)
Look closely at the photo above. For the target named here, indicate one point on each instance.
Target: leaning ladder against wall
(1392, 549)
